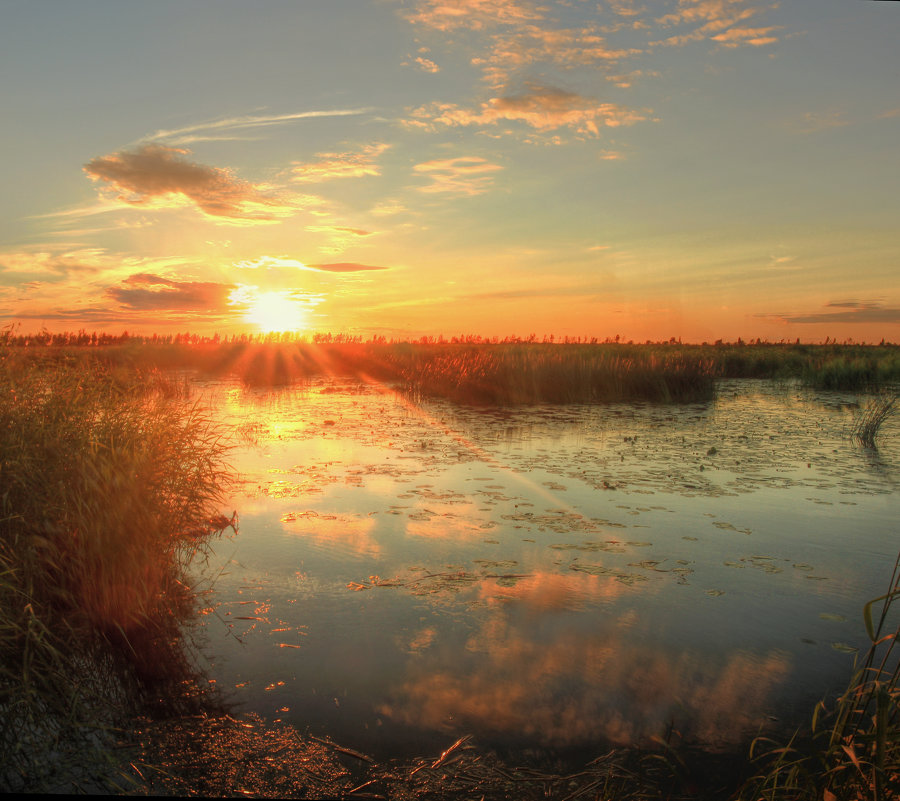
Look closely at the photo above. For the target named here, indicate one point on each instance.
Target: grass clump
(852, 750)
(870, 420)
(108, 490)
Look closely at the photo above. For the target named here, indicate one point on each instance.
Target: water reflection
(565, 686)
(562, 576)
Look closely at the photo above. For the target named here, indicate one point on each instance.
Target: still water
(549, 578)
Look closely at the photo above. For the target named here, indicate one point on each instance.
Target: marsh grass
(536, 373)
(868, 423)
(482, 370)
(109, 490)
(852, 750)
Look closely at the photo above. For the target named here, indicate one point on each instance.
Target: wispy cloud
(543, 108)
(221, 129)
(346, 267)
(340, 165)
(815, 121)
(155, 176)
(449, 15)
(720, 21)
(283, 263)
(851, 311)
(464, 175)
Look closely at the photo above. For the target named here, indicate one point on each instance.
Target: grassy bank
(110, 488)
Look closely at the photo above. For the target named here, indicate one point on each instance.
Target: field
(117, 485)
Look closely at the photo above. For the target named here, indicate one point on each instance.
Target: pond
(553, 580)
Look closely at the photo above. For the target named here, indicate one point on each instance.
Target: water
(549, 579)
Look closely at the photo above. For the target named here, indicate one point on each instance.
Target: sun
(276, 312)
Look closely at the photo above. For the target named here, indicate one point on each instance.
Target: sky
(648, 169)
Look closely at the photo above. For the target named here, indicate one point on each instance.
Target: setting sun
(276, 311)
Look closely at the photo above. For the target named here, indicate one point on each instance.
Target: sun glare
(275, 311)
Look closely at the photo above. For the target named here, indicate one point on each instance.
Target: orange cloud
(447, 15)
(543, 108)
(463, 175)
(535, 44)
(159, 177)
(146, 291)
(715, 20)
(580, 687)
(340, 165)
(735, 37)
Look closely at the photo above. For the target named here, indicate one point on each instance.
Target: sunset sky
(698, 169)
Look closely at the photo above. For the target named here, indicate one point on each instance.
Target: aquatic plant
(109, 488)
(870, 420)
(852, 750)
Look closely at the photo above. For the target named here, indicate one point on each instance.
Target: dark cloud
(161, 176)
(344, 267)
(856, 311)
(145, 291)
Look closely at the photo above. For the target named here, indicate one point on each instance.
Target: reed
(852, 750)
(868, 423)
(525, 374)
(109, 489)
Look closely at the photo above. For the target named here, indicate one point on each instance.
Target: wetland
(345, 583)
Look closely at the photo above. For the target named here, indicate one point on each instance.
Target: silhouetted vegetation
(474, 369)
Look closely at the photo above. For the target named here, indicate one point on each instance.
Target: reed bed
(109, 489)
(478, 370)
(528, 374)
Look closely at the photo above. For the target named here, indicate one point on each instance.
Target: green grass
(109, 488)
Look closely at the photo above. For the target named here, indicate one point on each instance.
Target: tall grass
(109, 488)
(870, 420)
(852, 750)
(475, 369)
(536, 373)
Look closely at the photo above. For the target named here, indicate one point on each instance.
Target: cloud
(543, 108)
(813, 122)
(427, 64)
(194, 133)
(717, 20)
(854, 311)
(146, 291)
(561, 47)
(465, 175)
(276, 263)
(345, 267)
(339, 230)
(575, 688)
(50, 266)
(448, 15)
(155, 176)
(734, 37)
(340, 165)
